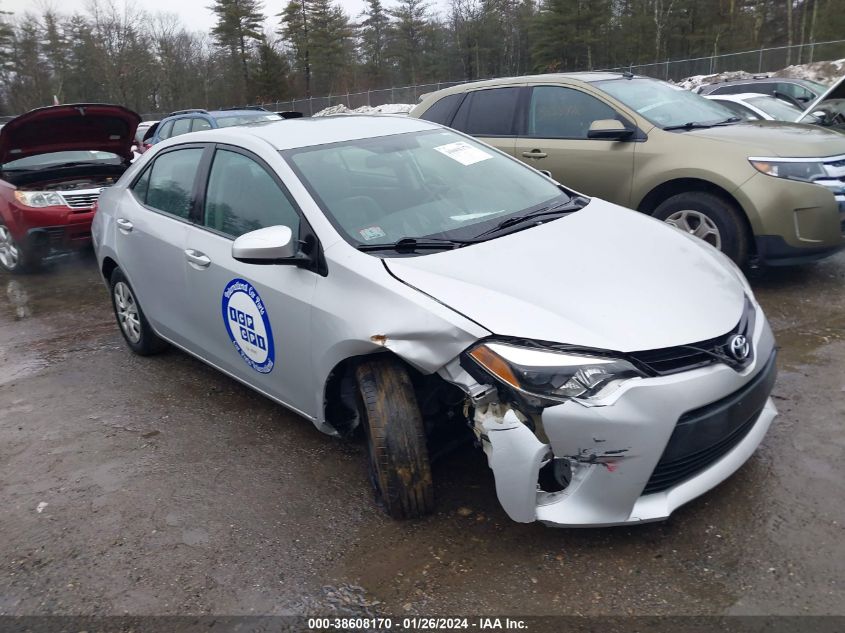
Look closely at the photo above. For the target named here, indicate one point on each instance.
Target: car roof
(751, 80)
(307, 132)
(585, 76)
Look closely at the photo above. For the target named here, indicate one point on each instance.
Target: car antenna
(628, 74)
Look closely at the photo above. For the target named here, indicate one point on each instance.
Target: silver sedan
(392, 276)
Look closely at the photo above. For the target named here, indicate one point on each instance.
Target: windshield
(421, 184)
(243, 118)
(664, 104)
(54, 159)
(780, 110)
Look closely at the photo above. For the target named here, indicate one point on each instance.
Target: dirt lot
(159, 486)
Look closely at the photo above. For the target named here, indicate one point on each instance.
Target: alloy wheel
(9, 252)
(127, 312)
(697, 224)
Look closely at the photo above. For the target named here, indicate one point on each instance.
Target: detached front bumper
(654, 445)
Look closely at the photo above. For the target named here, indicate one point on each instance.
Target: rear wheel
(14, 258)
(710, 218)
(396, 444)
(130, 317)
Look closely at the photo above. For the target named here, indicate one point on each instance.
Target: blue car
(184, 121)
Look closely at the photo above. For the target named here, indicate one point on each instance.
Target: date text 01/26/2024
(416, 624)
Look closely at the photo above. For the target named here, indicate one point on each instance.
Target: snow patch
(388, 108)
(827, 72)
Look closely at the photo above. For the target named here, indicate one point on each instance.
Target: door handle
(124, 225)
(534, 153)
(196, 258)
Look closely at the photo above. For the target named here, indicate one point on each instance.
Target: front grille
(81, 200)
(704, 435)
(672, 360)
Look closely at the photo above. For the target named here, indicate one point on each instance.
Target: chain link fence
(764, 60)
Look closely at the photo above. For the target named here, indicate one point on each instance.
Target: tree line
(259, 52)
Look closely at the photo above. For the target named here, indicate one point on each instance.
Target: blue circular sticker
(246, 321)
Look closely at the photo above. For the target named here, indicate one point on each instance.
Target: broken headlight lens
(553, 375)
(39, 199)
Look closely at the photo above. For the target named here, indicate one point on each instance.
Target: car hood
(603, 277)
(836, 91)
(777, 138)
(82, 126)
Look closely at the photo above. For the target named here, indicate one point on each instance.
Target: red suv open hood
(79, 126)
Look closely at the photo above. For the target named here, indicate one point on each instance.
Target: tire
(400, 470)
(133, 325)
(684, 211)
(14, 258)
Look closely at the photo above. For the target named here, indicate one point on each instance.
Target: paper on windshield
(464, 153)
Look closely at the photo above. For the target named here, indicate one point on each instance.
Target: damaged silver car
(391, 275)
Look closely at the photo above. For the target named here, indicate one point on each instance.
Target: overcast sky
(193, 13)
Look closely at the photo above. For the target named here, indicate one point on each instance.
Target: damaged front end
(586, 438)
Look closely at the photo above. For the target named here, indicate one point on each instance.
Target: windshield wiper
(573, 204)
(695, 125)
(411, 244)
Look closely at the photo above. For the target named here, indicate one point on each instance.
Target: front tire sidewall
(731, 227)
(399, 465)
(25, 261)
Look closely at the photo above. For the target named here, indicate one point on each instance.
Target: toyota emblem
(739, 347)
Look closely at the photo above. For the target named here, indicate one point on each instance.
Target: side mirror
(609, 130)
(270, 245)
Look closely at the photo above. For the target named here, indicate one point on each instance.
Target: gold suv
(765, 191)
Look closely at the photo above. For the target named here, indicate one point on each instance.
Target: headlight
(40, 199)
(552, 375)
(806, 171)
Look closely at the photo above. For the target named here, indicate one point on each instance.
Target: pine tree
(294, 29)
(374, 37)
(329, 34)
(271, 73)
(238, 27)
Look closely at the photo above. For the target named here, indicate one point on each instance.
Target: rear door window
(165, 130)
(171, 182)
(181, 126)
(442, 110)
(488, 112)
(200, 124)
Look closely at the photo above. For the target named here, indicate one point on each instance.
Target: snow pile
(823, 72)
(691, 83)
(388, 108)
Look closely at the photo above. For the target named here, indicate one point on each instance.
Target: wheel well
(666, 190)
(340, 396)
(108, 268)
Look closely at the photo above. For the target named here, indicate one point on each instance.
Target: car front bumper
(636, 457)
(793, 222)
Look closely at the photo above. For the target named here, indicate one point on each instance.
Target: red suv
(54, 162)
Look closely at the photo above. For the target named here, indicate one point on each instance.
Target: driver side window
(566, 113)
(242, 197)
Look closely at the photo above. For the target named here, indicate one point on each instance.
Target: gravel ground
(159, 486)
